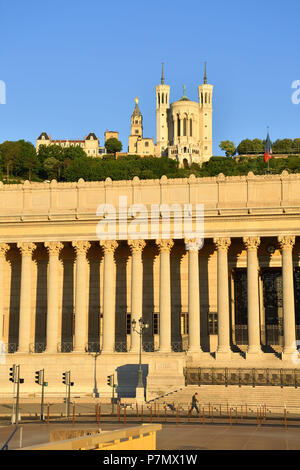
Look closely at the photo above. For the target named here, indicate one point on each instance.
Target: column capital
(27, 248)
(222, 243)
(136, 246)
(81, 247)
(54, 248)
(193, 244)
(251, 243)
(109, 246)
(286, 241)
(165, 245)
(4, 247)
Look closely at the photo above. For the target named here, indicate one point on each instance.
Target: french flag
(268, 149)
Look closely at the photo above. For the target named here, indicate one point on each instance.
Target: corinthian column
(136, 247)
(289, 327)
(193, 295)
(252, 244)
(223, 351)
(52, 296)
(27, 248)
(109, 296)
(3, 249)
(80, 337)
(164, 295)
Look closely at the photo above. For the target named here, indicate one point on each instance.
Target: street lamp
(143, 326)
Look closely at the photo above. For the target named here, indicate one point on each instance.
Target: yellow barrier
(135, 438)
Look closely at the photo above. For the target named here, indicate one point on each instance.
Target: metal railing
(11, 348)
(65, 347)
(37, 347)
(92, 347)
(252, 377)
(121, 346)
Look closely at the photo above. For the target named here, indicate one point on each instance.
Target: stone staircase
(274, 398)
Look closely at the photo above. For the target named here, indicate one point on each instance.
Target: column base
(140, 395)
(165, 351)
(223, 355)
(254, 353)
(291, 356)
(107, 351)
(195, 351)
(50, 351)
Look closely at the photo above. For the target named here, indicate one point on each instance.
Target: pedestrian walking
(194, 402)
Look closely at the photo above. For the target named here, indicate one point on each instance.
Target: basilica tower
(205, 119)
(136, 128)
(162, 106)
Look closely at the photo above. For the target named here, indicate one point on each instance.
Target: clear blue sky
(72, 67)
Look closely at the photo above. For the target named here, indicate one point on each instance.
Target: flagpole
(268, 158)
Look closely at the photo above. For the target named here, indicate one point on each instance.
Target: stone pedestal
(140, 395)
(165, 375)
(223, 356)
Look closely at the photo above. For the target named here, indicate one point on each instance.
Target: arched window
(162, 98)
(158, 99)
(191, 127)
(185, 163)
(178, 126)
(184, 126)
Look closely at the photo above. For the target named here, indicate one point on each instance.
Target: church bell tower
(205, 102)
(162, 106)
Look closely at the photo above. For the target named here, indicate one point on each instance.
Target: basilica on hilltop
(183, 128)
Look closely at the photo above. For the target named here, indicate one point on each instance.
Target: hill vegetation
(19, 162)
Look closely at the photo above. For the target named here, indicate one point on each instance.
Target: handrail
(5, 446)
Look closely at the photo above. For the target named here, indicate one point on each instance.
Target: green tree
(296, 146)
(283, 146)
(10, 152)
(113, 145)
(51, 166)
(27, 162)
(245, 147)
(258, 146)
(228, 147)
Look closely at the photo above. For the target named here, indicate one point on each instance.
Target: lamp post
(143, 326)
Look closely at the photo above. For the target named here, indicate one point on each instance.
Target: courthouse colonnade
(164, 246)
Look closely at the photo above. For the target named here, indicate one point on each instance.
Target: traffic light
(12, 374)
(38, 377)
(65, 378)
(45, 384)
(109, 380)
(71, 383)
(21, 381)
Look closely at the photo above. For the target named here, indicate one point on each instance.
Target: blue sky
(72, 67)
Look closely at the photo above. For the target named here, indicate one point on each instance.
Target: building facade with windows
(90, 144)
(67, 293)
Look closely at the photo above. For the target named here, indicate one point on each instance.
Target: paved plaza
(183, 436)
